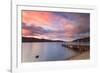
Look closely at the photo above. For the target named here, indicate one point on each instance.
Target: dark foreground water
(45, 51)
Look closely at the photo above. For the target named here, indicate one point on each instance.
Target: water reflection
(45, 51)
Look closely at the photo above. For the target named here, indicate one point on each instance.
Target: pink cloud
(25, 32)
(36, 17)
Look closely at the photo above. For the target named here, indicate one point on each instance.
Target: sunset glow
(55, 25)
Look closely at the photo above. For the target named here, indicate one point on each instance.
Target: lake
(45, 51)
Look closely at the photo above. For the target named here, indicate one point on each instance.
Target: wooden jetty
(78, 47)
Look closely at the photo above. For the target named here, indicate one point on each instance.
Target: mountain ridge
(28, 39)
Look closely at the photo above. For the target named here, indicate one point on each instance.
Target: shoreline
(81, 56)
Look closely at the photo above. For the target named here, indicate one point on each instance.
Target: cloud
(55, 25)
(36, 17)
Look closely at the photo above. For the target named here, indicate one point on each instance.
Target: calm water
(45, 51)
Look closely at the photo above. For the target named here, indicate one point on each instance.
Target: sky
(65, 26)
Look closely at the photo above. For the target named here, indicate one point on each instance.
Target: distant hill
(85, 39)
(28, 39)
